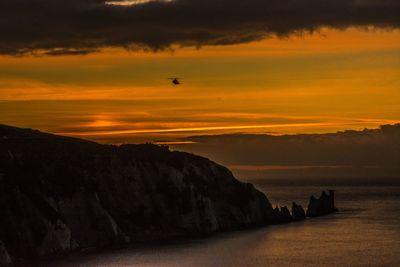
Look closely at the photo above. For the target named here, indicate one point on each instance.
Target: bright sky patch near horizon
(322, 82)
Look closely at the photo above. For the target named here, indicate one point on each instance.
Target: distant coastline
(369, 154)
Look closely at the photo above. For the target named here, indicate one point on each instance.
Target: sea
(365, 232)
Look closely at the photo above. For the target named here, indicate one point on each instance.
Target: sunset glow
(328, 81)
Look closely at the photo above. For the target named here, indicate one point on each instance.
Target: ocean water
(365, 232)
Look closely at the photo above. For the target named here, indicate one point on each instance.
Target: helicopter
(175, 81)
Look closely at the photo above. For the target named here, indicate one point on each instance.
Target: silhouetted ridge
(360, 155)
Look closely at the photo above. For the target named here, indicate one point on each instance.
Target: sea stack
(298, 213)
(323, 205)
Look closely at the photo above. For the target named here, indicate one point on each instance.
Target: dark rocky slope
(58, 194)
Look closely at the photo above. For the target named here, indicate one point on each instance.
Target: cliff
(58, 194)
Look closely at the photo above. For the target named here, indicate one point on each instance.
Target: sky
(99, 69)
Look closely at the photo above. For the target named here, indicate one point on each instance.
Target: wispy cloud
(132, 2)
(193, 129)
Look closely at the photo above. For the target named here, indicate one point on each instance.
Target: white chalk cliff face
(58, 194)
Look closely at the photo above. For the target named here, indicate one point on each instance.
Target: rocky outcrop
(285, 214)
(281, 215)
(298, 213)
(323, 205)
(58, 194)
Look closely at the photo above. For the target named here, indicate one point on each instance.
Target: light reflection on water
(366, 232)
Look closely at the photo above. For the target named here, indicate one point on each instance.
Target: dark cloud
(81, 26)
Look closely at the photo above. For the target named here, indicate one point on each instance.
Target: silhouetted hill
(58, 194)
(369, 151)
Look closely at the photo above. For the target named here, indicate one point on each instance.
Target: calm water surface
(366, 232)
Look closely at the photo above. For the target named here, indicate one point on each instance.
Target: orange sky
(329, 81)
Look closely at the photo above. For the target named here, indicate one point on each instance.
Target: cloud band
(76, 27)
